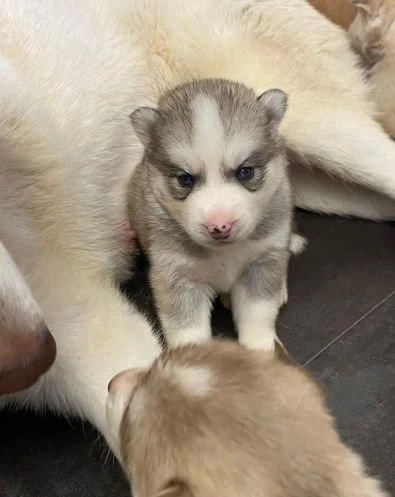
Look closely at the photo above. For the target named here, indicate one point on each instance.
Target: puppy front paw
(262, 339)
(187, 336)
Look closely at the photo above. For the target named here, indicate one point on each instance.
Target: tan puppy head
(219, 420)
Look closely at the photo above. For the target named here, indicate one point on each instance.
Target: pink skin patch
(128, 236)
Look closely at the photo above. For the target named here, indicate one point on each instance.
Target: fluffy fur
(218, 419)
(72, 72)
(372, 34)
(371, 28)
(206, 230)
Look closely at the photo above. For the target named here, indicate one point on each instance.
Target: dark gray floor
(339, 322)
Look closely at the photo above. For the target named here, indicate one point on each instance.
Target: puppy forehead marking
(208, 138)
(195, 381)
(241, 145)
(183, 154)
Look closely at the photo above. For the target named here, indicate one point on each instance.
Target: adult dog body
(72, 72)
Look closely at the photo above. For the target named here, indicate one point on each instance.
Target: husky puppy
(218, 419)
(212, 206)
(372, 35)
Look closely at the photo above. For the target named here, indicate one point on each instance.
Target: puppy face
(215, 156)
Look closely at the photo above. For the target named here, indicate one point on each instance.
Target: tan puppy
(373, 36)
(221, 420)
(371, 27)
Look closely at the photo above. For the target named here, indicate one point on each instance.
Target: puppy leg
(348, 145)
(256, 300)
(27, 348)
(184, 308)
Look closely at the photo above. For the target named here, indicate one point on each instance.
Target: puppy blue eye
(245, 173)
(186, 180)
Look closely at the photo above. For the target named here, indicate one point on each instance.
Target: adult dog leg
(347, 145)
(318, 192)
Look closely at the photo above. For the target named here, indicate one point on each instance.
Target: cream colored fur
(371, 29)
(71, 72)
(240, 423)
(372, 33)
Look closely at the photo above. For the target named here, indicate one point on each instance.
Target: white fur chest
(220, 270)
(223, 266)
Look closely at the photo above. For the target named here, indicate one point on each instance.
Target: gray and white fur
(212, 207)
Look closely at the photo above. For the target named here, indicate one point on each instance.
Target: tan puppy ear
(175, 488)
(120, 390)
(125, 381)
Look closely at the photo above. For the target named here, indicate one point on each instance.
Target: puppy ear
(120, 390)
(175, 488)
(143, 120)
(125, 382)
(275, 104)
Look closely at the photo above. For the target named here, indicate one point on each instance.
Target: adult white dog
(71, 73)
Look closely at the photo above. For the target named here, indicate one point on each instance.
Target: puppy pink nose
(220, 225)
